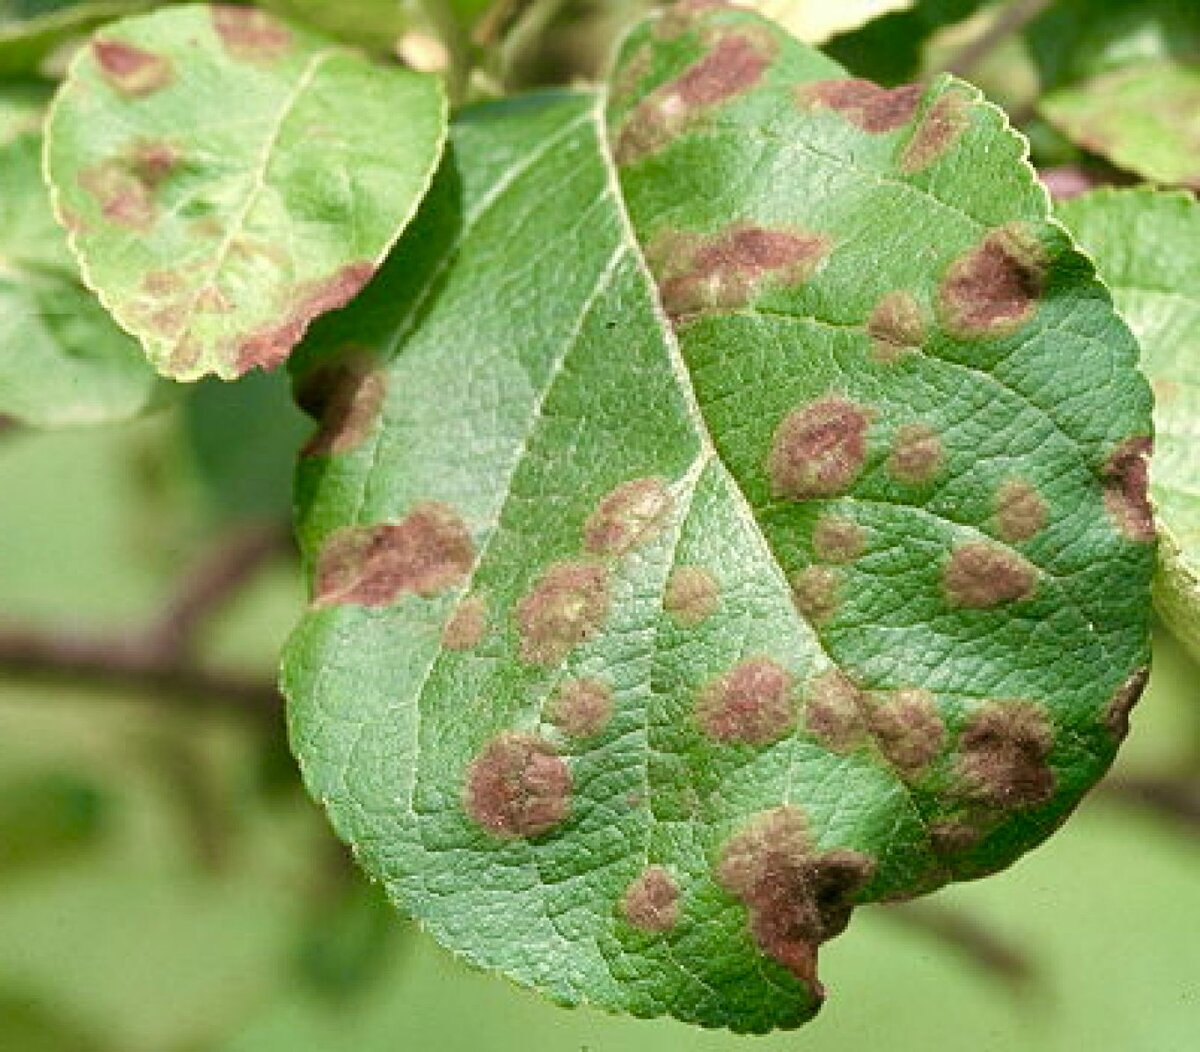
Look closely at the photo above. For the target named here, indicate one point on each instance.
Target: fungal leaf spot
(425, 553)
(819, 449)
(864, 104)
(518, 786)
(916, 457)
(651, 902)
(995, 287)
(251, 35)
(132, 70)
(630, 516)
(1004, 749)
(834, 711)
(941, 126)
(581, 708)
(981, 575)
(1020, 511)
(837, 539)
(896, 326)
(908, 729)
(1120, 706)
(816, 592)
(751, 703)
(796, 898)
(692, 595)
(566, 606)
(467, 625)
(346, 398)
(1126, 475)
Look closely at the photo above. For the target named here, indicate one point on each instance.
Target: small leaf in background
(227, 177)
(1146, 245)
(32, 30)
(1145, 119)
(815, 21)
(63, 361)
(47, 817)
(726, 510)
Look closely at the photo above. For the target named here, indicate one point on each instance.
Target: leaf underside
(724, 512)
(226, 178)
(1145, 244)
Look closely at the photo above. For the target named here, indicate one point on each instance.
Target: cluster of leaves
(728, 504)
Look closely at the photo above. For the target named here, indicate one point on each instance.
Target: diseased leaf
(1144, 118)
(815, 21)
(724, 512)
(62, 360)
(216, 240)
(1146, 245)
(30, 30)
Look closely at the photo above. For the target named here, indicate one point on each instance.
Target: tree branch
(1173, 797)
(1011, 20)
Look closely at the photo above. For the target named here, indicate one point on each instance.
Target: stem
(490, 27)
(1173, 797)
(1011, 20)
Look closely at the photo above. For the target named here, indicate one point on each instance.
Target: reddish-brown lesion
(1121, 704)
(941, 126)
(126, 186)
(251, 35)
(896, 326)
(996, 286)
(132, 70)
(727, 269)
(1020, 511)
(797, 897)
(630, 516)
(651, 902)
(1004, 752)
(819, 449)
(425, 553)
(908, 729)
(565, 607)
(271, 346)
(581, 708)
(980, 575)
(1126, 479)
(868, 106)
(518, 786)
(917, 455)
(753, 703)
(346, 398)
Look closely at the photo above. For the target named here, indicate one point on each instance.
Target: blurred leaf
(22, 108)
(890, 49)
(1147, 247)
(1145, 119)
(245, 479)
(217, 241)
(45, 817)
(31, 29)
(62, 360)
(815, 21)
(703, 469)
(28, 1025)
(345, 945)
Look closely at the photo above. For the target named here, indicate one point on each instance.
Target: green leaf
(31, 30)
(815, 21)
(1145, 119)
(723, 513)
(1146, 245)
(62, 360)
(216, 240)
(375, 24)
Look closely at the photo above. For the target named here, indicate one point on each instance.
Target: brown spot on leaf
(908, 729)
(426, 552)
(1020, 511)
(132, 70)
(467, 625)
(684, 15)
(1005, 746)
(837, 539)
(581, 707)
(819, 449)
(1126, 477)
(870, 107)
(630, 516)
(916, 456)
(733, 65)
(728, 269)
(816, 592)
(751, 703)
(937, 131)
(692, 595)
(1116, 713)
(896, 326)
(981, 575)
(953, 836)
(346, 398)
(565, 607)
(518, 786)
(651, 902)
(796, 898)
(251, 35)
(834, 712)
(123, 198)
(995, 287)
(153, 162)
(269, 347)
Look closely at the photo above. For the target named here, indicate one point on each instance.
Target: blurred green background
(165, 886)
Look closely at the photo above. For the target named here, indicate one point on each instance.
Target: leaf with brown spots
(1145, 246)
(262, 224)
(750, 419)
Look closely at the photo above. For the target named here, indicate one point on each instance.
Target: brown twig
(1173, 797)
(973, 940)
(1011, 20)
